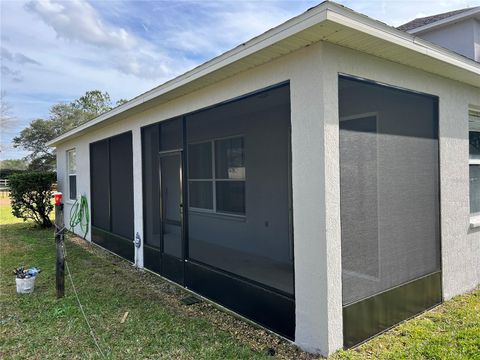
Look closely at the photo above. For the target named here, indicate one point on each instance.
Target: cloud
(77, 20)
(7, 73)
(18, 58)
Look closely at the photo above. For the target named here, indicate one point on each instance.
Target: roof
(328, 22)
(425, 23)
(418, 22)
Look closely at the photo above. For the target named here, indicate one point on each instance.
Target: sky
(54, 51)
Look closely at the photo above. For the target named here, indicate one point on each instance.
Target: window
(217, 176)
(72, 174)
(474, 162)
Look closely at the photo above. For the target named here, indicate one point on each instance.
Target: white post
(138, 193)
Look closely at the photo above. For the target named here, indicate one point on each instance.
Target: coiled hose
(79, 215)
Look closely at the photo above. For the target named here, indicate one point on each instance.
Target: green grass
(38, 326)
(450, 331)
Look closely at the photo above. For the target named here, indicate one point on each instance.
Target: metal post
(59, 243)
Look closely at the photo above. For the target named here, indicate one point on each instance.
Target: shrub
(31, 196)
(6, 173)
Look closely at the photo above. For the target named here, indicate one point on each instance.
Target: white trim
(473, 13)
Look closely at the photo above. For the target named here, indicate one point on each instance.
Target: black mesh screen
(238, 215)
(389, 188)
(121, 179)
(171, 134)
(100, 187)
(111, 174)
(151, 185)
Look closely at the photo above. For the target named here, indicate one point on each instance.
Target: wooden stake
(59, 243)
(124, 318)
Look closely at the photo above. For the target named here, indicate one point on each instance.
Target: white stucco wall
(313, 74)
(460, 37)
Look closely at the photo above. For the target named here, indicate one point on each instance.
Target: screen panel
(238, 170)
(121, 179)
(389, 191)
(100, 187)
(151, 186)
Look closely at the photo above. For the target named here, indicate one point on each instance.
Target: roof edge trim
(467, 14)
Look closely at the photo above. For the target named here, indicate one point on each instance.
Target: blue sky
(53, 51)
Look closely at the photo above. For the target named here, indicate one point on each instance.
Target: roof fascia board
(462, 16)
(382, 31)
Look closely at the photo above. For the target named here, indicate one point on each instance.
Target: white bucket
(25, 286)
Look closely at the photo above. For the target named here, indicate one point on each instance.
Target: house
(319, 179)
(457, 30)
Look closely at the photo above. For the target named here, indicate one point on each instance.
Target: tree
(63, 117)
(33, 139)
(31, 196)
(93, 103)
(14, 166)
(121, 102)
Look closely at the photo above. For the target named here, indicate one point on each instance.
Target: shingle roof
(416, 23)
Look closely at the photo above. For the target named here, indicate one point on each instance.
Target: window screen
(100, 186)
(389, 188)
(121, 180)
(151, 185)
(111, 174)
(238, 169)
(72, 173)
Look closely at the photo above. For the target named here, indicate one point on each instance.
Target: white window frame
(473, 127)
(68, 152)
(214, 179)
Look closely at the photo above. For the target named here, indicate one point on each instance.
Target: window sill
(474, 221)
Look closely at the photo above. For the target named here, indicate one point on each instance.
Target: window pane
(72, 187)
(230, 158)
(72, 162)
(474, 138)
(200, 194)
(231, 196)
(200, 160)
(474, 189)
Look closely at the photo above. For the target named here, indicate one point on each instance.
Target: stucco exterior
(313, 76)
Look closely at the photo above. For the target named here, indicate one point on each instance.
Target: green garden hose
(79, 215)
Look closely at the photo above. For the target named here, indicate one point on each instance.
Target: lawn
(159, 326)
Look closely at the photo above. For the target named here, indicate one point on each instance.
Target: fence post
(59, 244)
